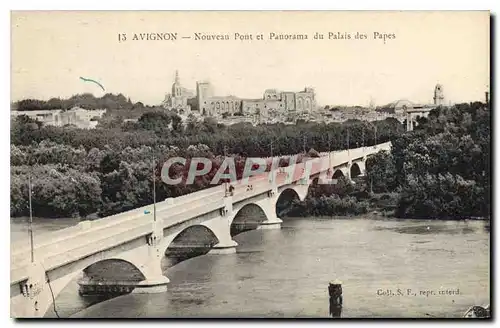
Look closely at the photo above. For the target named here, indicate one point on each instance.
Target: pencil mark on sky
(90, 80)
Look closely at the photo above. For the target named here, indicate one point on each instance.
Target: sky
(50, 51)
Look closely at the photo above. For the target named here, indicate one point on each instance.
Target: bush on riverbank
(384, 201)
(443, 196)
(330, 206)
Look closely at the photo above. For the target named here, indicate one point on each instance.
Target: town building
(400, 106)
(79, 117)
(276, 103)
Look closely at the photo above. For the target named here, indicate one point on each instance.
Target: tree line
(442, 168)
(439, 170)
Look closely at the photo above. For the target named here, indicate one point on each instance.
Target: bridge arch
(338, 173)
(300, 189)
(195, 240)
(355, 170)
(114, 269)
(96, 283)
(290, 193)
(249, 217)
(284, 201)
(314, 187)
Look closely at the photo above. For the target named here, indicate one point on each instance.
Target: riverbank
(350, 205)
(380, 205)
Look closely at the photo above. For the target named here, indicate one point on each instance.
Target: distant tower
(203, 92)
(176, 87)
(438, 95)
(372, 103)
(487, 96)
(178, 99)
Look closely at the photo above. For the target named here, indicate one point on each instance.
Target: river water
(285, 273)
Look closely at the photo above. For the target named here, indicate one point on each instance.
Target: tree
(155, 121)
(380, 172)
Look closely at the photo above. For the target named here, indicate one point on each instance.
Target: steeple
(176, 87)
(177, 77)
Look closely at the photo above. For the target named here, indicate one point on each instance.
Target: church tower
(176, 87)
(438, 95)
(179, 97)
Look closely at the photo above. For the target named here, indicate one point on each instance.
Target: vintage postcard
(279, 164)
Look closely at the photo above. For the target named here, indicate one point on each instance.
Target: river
(441, 269)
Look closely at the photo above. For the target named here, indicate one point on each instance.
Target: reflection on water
(176, 256)
(285, 273)
(434, 227)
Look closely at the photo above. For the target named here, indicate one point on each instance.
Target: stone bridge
(207, 219)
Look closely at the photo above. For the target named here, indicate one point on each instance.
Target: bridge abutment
(38, 293)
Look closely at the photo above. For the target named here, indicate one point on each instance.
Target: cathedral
(178, 99)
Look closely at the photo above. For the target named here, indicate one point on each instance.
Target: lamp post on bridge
(226, 190)
(363, 136)
(157, 233)
(375, 131)
(304, 140)
(271, 173)
(329, 153)
(271, 144)
(30, 224)
(154, 189)
(371, 184)
(348, 143)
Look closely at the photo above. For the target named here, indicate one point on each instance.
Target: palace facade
(207, 104)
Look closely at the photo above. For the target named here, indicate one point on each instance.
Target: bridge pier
(271, 224)
(221, 228)
(155, 281)
(269, 207)
(152, 285)
(227, 247)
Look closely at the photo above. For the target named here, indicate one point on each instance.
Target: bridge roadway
(78, 243)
